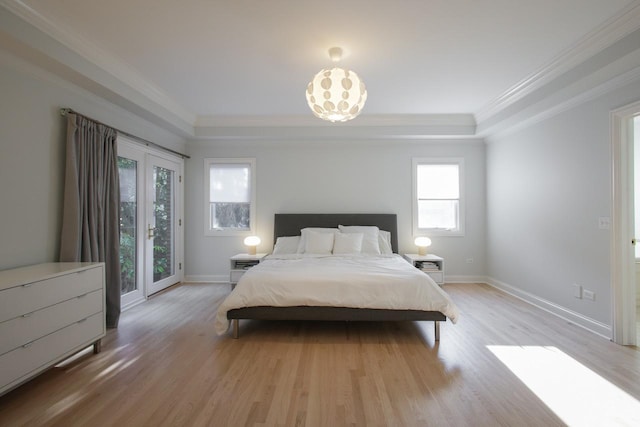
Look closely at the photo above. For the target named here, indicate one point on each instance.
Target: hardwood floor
(165, 366)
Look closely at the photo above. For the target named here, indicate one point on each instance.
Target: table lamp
(422, 243)
(252, 242)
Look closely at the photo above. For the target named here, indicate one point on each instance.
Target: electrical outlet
(589, 295)
(577, 291)
(469, 260)
(604, 223)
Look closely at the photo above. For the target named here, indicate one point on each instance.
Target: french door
(162, 219)
(150, 221)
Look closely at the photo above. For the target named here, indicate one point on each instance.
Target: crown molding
(137, 95)
(308, 127)
(97, 57)
(603, 36)
(532, 117)
(374, 120)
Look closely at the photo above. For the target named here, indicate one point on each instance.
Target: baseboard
(218, 278)
(578, 319)
(132, 304)
(465, 279)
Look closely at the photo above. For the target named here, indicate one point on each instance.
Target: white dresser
(47, 313)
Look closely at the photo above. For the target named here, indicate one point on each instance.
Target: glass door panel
(131, 212)
(163, 244)
(128, 170)
(161, 223)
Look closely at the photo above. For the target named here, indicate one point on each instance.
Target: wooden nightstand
(432, 265)
(240, 263)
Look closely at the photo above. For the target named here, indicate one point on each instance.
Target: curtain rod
(65, 111)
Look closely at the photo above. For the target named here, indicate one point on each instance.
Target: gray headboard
(291, 224)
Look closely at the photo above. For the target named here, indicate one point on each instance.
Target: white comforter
(355, 281)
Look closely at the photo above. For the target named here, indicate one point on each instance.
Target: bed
(283, 275)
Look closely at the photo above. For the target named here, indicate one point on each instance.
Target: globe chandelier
(336, 94)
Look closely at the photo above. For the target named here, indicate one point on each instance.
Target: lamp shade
(336, 95)
(252, 242)
(422, 243)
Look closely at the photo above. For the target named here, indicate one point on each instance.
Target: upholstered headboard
(291, 224)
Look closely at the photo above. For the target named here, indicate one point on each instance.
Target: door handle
(150, 231)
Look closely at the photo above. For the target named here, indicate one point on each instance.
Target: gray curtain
(90, 223)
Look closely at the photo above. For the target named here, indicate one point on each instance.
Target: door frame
(152, 159)
(144, 152)
(623, 284)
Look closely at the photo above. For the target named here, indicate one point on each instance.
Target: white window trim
(252, 211)
(460, 231)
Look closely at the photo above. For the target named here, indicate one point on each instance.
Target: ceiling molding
(98, 57)
(136, 94)
(603, 36)
(78, 51)
(537, 114)
(445, 120)
(399, 126)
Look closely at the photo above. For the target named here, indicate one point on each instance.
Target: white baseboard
(217, 278)
(132, 304)
(465, 279)
(578, 319)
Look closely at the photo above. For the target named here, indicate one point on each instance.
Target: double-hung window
(438, 196)
(229, 196)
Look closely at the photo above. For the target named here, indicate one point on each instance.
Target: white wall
(547, 186)
(334, 177)
(32, 147)
(636, 183)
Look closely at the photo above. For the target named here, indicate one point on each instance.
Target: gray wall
(32, 138)
(547, 187)
(337, 176)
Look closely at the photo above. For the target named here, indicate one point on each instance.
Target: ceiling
(240, 62)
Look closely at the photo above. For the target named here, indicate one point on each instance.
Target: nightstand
(432, 265)
(240, 263)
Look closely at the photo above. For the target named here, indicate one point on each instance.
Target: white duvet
(355, 281)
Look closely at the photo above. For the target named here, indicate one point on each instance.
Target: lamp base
(422, 250)
(252, 250)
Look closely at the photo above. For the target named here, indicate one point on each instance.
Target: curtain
(90, 222)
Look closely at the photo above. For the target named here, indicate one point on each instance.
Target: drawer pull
(81, 296)
(27, 315)
(81, 321)
(26, 285)
(27, 345)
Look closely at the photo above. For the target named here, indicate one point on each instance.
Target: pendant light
(336, 94)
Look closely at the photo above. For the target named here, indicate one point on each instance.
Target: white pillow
(304, 231)
(344, 243)
(318, 243)
(370, 243)
(286, 245)
(384, 240)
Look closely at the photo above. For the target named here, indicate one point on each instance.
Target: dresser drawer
(29, 327)
(30, 297)
(20, 364)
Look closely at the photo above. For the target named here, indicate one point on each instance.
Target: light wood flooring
(164, 366)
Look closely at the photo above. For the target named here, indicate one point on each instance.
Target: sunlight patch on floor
(576, 394)
(62, 405)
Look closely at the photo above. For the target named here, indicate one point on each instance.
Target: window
(438, 196)
(229, 196)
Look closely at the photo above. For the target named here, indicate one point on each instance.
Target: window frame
(460, 230)
(208, 162)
